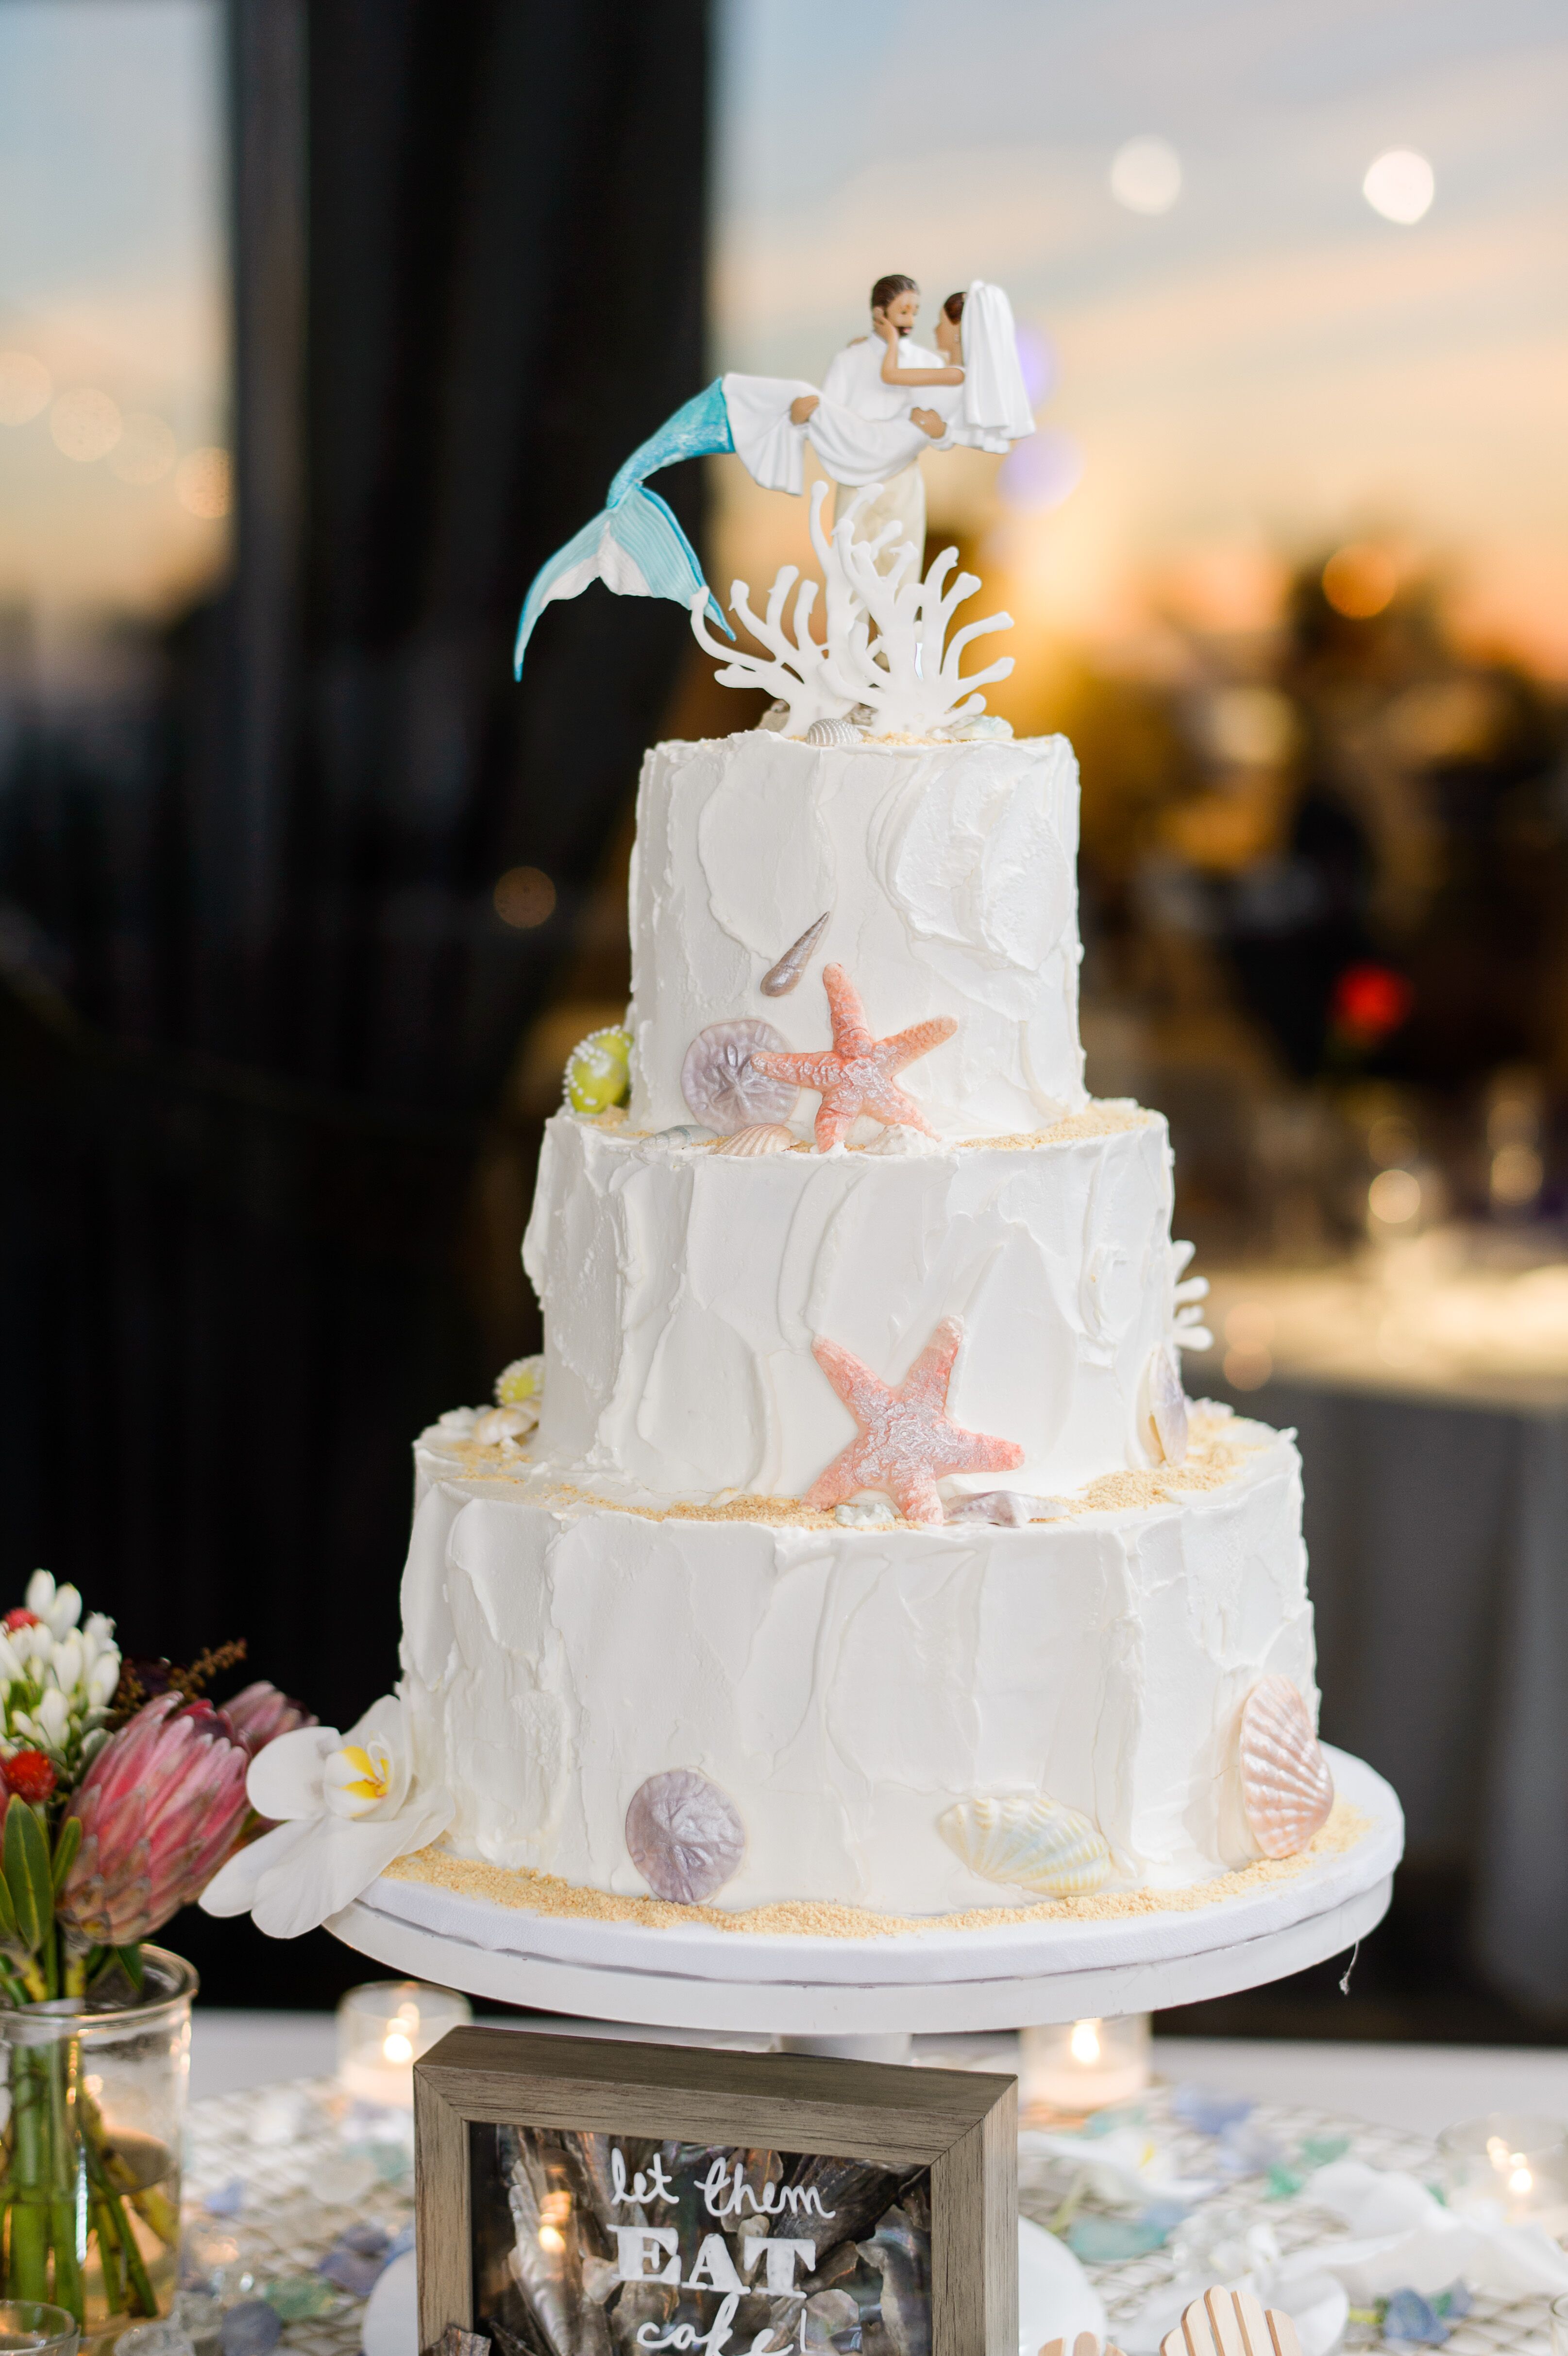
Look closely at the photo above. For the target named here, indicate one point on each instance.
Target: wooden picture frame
(959, 2125)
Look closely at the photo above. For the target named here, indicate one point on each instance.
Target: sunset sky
(1262, 371)
(111, 278)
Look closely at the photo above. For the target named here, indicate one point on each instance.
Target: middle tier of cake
(683, 1290)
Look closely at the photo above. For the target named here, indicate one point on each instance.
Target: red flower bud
(29, 1774)
(20, 1617)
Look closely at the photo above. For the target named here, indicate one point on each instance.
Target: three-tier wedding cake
(853, 1542)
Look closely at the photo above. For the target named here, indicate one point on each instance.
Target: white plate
(1056, 2298)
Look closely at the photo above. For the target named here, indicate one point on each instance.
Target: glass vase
(95, 2096)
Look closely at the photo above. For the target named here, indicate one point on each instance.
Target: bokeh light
(202, 482)
(25, 387)
(1360, 580)
(1039, 473)
(145, 451)
(1037, 360)
(1401, 186)
(525, 897)
(1146, 175)
(85, 423)
(1393, 1198)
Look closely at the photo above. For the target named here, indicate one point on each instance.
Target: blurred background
(323, 321)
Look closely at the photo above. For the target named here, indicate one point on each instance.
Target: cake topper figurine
(866, 425)
(907, 1440)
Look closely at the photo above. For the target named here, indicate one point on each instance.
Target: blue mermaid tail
(635, 547)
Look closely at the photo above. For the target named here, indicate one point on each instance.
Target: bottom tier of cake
(846, 1688)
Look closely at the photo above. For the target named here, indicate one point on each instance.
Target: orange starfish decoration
(907, 1440)
(855, 1075)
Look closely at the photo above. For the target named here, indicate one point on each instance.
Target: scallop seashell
(781, 979)
(722, 1086)
(685, 1836)
(833, 732)
(499, 1423)
(767, 1137)
(1008, 1509)
(1027, 1840)
(1165, 1406)
(1286, 1788)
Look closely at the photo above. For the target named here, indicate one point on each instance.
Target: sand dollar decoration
(1287, 1791)
(1165, 1407)
(685, 1836)
(1027, 1840)
(599, 1071)
(721, 1083)
(767, 1137)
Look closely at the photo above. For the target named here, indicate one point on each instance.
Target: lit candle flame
(396, 2046)
(1084, 2042)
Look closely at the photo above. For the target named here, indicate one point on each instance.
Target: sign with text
(583, 2197)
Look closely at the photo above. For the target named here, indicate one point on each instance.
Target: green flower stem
(137, 2273)
(29, 2272)
(116, 2296)
(64, 2075)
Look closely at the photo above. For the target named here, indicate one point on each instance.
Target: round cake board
(926, 1982)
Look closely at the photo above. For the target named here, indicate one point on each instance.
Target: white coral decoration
(909, 672)
(905, 676)
(57, 1678)
(1189, 1330)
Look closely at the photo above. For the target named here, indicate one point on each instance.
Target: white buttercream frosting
(947, 873)
(682, 1293)
(844, 1687)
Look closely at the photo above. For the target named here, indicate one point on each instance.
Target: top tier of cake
(947, 874)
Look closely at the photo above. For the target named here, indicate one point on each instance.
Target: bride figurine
(869, 424)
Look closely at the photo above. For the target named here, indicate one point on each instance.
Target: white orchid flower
(344, 1807)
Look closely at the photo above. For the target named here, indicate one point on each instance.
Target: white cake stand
(867, 1996)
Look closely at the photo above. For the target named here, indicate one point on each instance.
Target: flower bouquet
(119, 1801)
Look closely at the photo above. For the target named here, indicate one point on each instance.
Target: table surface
(1416, 2088)
(276, 2173)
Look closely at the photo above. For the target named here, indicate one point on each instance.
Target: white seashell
(775, 719)
(722, 1086)
(685, 1836)
(1009, 1509)
(976, 731)
(767, 1137)
(1286, 1788)
(781, 979)
(897, 1143)
(878, 1514)
(1165, 1407)
(685, 1132)
(833, 732)
(499, 1423)
(1027, 1840)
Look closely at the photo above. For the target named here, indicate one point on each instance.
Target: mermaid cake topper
(883, 401)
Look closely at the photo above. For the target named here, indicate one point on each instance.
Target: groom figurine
(875, 377)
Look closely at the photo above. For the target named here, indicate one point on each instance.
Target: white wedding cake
(855, 1545)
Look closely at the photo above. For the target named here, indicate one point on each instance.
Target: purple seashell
(723, 1087)
(685, 1836)
(780, 978)
(1009, 1509)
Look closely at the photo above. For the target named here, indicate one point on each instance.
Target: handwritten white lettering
(654, 2187)
(725, 2193)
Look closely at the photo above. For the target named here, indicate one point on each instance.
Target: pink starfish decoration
(855, 1075)
(907, 1440)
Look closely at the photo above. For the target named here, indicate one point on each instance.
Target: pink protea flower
(261, 1713)
(160, 1808)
